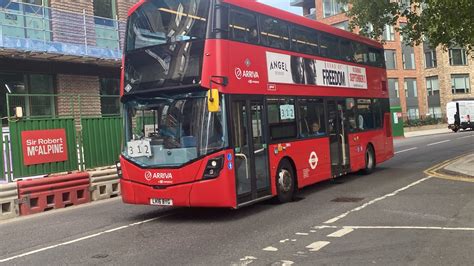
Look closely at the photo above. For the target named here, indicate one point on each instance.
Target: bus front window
(171, 131)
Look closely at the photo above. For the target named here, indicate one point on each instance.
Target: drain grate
(347, 199)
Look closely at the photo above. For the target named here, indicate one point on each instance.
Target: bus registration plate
(161, 202)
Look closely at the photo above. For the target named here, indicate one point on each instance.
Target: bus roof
(300, 20)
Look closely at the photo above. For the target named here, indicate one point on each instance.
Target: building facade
(421, 79)
(63, 47)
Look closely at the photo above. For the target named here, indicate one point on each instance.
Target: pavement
(463, 166)
(427, 132)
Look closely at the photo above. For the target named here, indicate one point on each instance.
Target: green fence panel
(21, 170)
(101, 140)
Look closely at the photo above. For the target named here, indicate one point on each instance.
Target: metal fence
(37, 28)
(93, 126)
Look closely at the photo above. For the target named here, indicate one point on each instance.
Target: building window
(388, 33)
(342, 25)
(430, 56)
(391, 59)
(435, 112)
(408, 55)
(393, 88)
(109, 96)
(432, 86)
(332, 7)
(457, 57)
(413, 113)
(460, 83)
(410, 88)
(104, 8)
(35, 94)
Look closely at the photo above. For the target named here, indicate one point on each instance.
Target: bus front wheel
(369, 161)
(285, 182)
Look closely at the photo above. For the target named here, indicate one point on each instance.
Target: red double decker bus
(229, 102)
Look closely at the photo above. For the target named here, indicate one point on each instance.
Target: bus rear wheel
(285, 182)
(369, 161)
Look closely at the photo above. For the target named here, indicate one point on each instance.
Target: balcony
(38, 32)
(302, 3)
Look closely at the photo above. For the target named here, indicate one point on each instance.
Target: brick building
(421, 79)
(65, 47)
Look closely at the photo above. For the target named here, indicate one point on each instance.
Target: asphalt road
(397, 215)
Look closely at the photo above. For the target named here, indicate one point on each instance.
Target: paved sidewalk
(463, 166)
(427, 132)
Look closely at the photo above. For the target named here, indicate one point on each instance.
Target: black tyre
(369, 161)
(285, 182)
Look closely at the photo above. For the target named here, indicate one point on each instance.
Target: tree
(448, 23)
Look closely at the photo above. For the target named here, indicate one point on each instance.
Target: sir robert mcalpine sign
(44, 146)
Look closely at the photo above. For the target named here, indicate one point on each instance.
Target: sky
(283, 4)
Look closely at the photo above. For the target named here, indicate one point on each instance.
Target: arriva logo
(149, 176)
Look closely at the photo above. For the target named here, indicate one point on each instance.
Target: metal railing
(64, 105)
(93, 127)
(44, 29)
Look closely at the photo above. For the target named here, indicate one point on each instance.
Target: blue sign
(229, 165)
(229, 156)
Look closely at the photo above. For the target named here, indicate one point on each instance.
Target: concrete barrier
(44, 194)
(104, 184)
(9, 207)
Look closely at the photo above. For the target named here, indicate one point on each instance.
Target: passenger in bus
(316, 129)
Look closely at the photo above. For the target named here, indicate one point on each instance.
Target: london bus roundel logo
(238, 73)
(313, 160)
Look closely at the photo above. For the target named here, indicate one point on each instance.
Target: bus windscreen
(165, 44)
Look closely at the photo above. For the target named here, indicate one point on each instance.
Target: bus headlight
(213, 167)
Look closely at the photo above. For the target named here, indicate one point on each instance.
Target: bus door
(250, 149)
(338, 139)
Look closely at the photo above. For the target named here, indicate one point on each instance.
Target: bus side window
(312, 117)
(243, 27)
(304, 40)
(329, 46)
(361, 53)
(346, 50)
(274, 33)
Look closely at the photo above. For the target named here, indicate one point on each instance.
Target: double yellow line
(433, 171)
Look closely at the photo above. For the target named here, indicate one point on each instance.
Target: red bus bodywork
(222, 58)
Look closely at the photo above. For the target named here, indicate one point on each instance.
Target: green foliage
(447, 23)
(422, 122)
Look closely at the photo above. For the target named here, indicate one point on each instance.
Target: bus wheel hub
(284, 179)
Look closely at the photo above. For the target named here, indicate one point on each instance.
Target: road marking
(270, 248)
(284, 240)
(465, 137)
(330, 221)
(469, 229)
(301, 234)
(344, 231)
(433, 171)
(439, 142)
(410, 149)
(83, 238)
(287, 262)
(316, 246)
(245, 260)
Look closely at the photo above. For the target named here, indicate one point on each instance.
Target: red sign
(44, 146)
